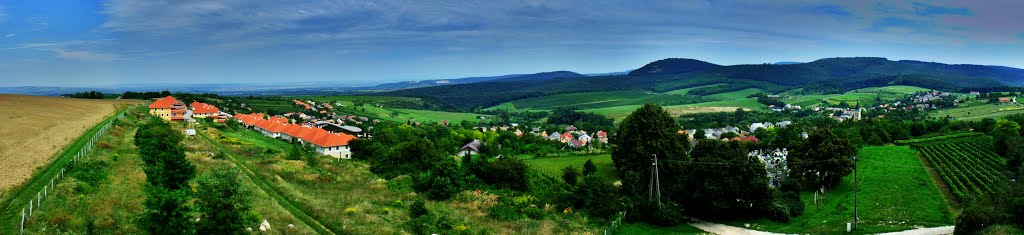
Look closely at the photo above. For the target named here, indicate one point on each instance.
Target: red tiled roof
(164, 103)
(566, 136)
(332, 139)
(602, 133)
(204, 108)
(313, 135)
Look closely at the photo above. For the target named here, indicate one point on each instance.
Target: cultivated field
(35, 128)
(553, 166)
(978, 109)
(866, 96)
(967, 165)
(749, 104)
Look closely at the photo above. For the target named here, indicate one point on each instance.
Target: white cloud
(3, 13)
(80, 50)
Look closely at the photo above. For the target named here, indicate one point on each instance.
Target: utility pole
(856, 217)
(655, 181)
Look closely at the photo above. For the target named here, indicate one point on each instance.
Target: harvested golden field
(35, 128)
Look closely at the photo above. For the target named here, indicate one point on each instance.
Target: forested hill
(824, 75)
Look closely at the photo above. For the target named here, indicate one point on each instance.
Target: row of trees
(85, 95)
(221, 203)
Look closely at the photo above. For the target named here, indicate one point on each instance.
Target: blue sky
(102, 43)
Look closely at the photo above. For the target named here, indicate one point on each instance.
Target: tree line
(178, 203)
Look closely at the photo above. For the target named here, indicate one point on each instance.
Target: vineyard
(967, 165)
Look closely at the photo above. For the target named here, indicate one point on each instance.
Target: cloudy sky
(80, 43)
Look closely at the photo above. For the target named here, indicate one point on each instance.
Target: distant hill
(787, 62)
(824, 75)
(673, 66)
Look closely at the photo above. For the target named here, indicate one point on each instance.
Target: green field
(346, 105)
(977, 110)
(684, 91)
(865, 95)
(895, 194)
(553, 166)
(740, 94)
(750, 104)
(590, 100)
(644, 229)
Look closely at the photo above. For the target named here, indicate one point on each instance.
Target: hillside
(833, 75)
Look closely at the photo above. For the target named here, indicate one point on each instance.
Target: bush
(507, 173)
(417, 209)
(90, 172)
(670, 214)
(778, 212)
(597, 197)
(589, 168)
(569, 175)
(975, 217)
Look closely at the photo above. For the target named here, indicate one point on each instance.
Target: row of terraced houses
(324, 142)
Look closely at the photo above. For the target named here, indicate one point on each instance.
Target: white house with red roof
(324, 142)
(204, 110)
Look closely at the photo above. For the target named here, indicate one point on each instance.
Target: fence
(82, 154)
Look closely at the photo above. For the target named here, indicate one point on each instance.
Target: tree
(597, 197)
(649, 130)
(223, 202)
(1002, 131)
(509, 173)
(569, 175)
(589, 168)
(442, 181)
(699, 134)
(167, 211)
(727, 183)
(823, 159)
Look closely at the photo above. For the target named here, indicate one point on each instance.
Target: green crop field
(967, 165)
(553, 166)
(591, 100)
(740, 94)
(749, 104)
(688, 89)
(895, 194)
(978, 109)
(865, 95)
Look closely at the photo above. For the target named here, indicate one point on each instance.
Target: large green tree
(649, 130)
(823, 159)
(223, 202)
(725, 181)
(1002, 131)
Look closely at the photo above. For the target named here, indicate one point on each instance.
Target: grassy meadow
(553, 166)
(866, 96)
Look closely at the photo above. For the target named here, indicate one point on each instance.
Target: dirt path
(938, 182)
(925, 231)
(727, 229)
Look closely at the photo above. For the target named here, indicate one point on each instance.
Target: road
(726, 229)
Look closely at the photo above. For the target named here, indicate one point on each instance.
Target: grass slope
(750, 104)
(895, 194)
(684, 91)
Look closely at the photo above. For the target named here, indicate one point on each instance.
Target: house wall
(162, 113)
(465, 152)
(343, 152)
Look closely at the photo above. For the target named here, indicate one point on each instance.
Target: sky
(102, 43)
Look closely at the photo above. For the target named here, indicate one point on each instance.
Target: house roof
(575, 143)
(203, 108)
(164, 103)
(566, 136)
(570, 128)
(475, 146)
(602, 134)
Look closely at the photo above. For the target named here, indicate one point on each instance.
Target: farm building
(168, 108)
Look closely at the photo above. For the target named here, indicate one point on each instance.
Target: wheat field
(33, 129)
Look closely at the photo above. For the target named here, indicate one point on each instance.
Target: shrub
(589, 168)
(90, 172)
(417, 209)
(507, 173)
(569, 175)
